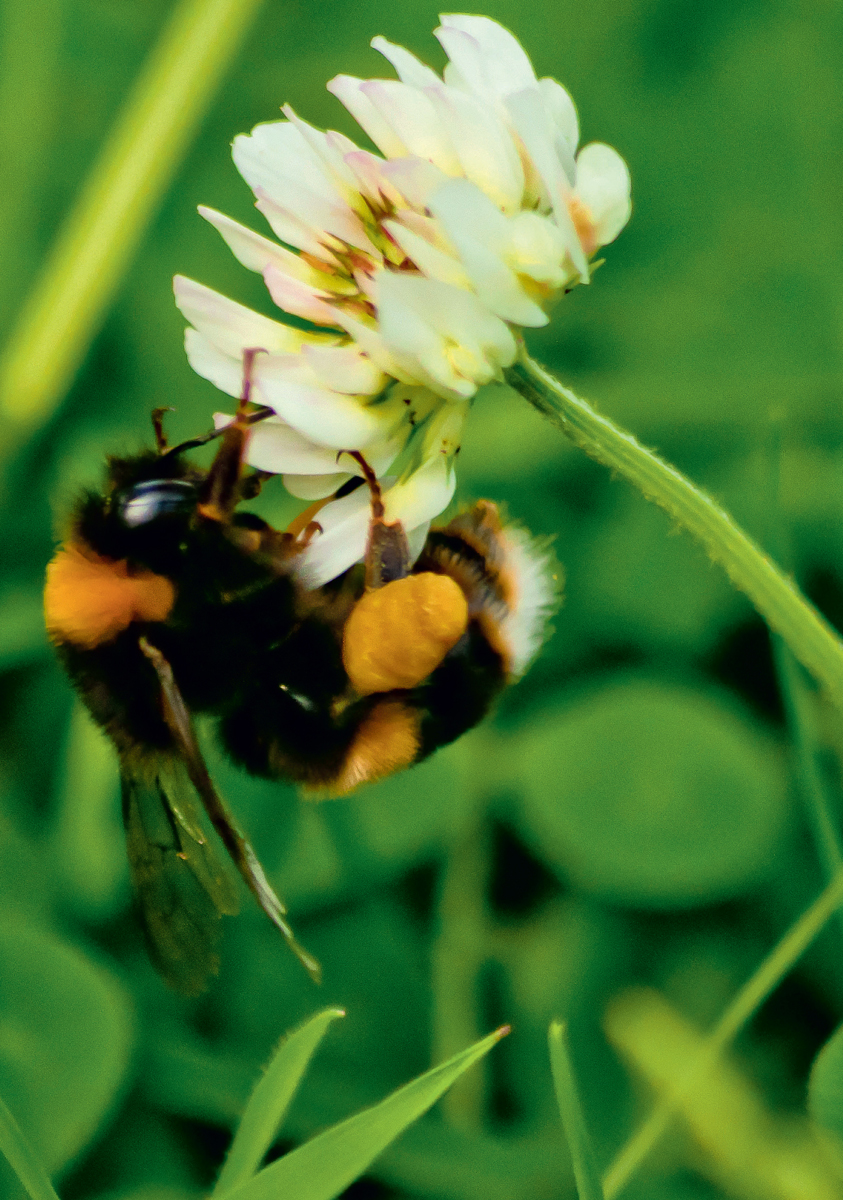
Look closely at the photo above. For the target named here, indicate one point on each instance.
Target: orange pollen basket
(398, 634)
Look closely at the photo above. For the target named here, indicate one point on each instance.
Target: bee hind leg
(387, 549)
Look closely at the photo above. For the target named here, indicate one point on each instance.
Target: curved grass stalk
(776, 597)
(116, 203)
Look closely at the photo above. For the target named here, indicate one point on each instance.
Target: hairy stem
(774, 594)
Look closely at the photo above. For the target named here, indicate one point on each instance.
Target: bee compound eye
(153, 499)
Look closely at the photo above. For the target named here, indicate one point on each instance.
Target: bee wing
(239, 849)
(181, 886)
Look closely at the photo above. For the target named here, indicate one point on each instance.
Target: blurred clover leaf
(652, 795)
(66, 1032)
(825, 1087)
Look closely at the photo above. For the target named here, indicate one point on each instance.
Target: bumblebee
(166, 600)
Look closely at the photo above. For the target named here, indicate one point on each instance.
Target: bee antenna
(158, 426)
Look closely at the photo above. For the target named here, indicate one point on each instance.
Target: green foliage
(652, 795)
(270, 1100)
(825, 1088)
(628, 815)
(589, 1186)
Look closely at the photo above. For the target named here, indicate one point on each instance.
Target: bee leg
(222, 492)
(239, 849)
(387, 550)
(158, 427)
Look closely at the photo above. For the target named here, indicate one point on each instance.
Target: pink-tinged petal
(331, 156)
(314, 487)
(326, 213)
(603, 186)
(257, 253)
(562, 111)
(278, 164)
(349, 91)
(342, 542)
(371, 180)
(408, 68)
(415, 121)
(431, 261)
(422, 226)
(298, 298)
(415, 178)
(275, 446)
(345, 369)
(232, 327)
(325, 417)
(533, 127)
(423, 496)
(274, 154)
(484, 146)
(485, 55)
(369, 339)
(294, 232)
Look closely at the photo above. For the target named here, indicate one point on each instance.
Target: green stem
(748, 1000)
(773, 593)
(809, 782)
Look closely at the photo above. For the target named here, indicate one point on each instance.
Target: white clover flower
(413, 268)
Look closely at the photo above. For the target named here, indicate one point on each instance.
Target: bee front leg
(222, 489)
(387, 549)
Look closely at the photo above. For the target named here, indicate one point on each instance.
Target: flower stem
(774, 594)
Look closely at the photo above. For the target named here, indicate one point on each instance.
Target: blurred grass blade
(586, 1175)
(22, 1158)
(327, 1164)
(745, 1003)
(125, 185)
(30, 92)
(270, 1099)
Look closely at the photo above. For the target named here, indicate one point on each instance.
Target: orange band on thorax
(89, 599)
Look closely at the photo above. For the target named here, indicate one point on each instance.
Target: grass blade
(586, 1175)
(328, 1163)
(744, 1004)
(270, 1099)
(122, 192)
(22, 1158)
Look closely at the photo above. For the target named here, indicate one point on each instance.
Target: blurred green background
(634, 812)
